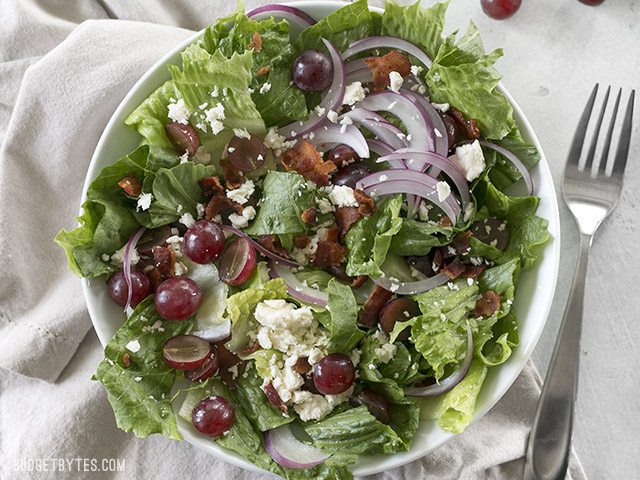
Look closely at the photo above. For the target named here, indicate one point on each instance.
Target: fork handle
(549, 444)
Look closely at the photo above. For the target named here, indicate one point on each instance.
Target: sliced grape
(492, 231)
(183, 137)
(246, 154)
(207, 370)
(186, 352)
(238, 262)
(350, 174)
(398, 310)
(376, 403)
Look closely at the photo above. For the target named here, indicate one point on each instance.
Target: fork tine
(596, 132)
(581, 130)
(625, 138)
(607, 143)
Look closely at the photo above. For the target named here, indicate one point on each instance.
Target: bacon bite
(304, 159)
(382, 66)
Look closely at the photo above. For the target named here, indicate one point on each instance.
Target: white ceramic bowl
(535, 290)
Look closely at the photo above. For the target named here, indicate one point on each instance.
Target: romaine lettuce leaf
(348, 24)
(382, 377)
(417, 238)
(107, 220)
(283, 102)
(458, 405)
(344, 332)
(150, 117)
(369, 239)
(140, 393)
(241, 305)
(285, 195)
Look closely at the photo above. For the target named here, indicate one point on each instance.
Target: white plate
(535, 289)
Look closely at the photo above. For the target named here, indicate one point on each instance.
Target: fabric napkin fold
(58, 112)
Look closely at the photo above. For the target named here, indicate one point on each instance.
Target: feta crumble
(470, 159)
(324, 205)
(133, 346)
(242, 221)
(443, 107)
(353, 93)
(144, 201)
(444, 190)
(395, 81)
(187, 219)
(178, 112)
(342, 196)
(265, 88)
(241, 133)
(332, 116)
(242, 194)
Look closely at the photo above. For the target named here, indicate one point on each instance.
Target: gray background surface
(555, 50)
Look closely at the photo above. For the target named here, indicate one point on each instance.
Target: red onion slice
(439, 128)
(260, 248)
(293, 15)
(296, 288)
(394, 180)
(333, 134)
(412, 288)
(509, 155)
(286, 450)
(423, 159)
(420, 134)
(381, 128)
(331, 101)
(379, 147)
(216, 333)
(357, 71)
(126, 263)
(452, 380)
(383, 41)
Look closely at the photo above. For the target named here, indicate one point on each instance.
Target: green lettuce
(150, 117)
(369, 239)
(107, 220)
(343, 310)
(285, 195)
(417, 238)
(348, 24)
(241, 305)
(140, 393)
(283, 102)
(458, 405)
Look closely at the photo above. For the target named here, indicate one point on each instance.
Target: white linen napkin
(57, 114)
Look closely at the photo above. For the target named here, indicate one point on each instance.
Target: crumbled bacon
(274, 398)
(256, 42)
(339, 272)
(473, 271)
(232, 176)
(228, 360)
(301, 241)
(131, 185)
(454, 269)
(358, 281)
(126, 360)
(488, 304)
(310, 216)
(302, 366)
(382, 66)
(211, 186)
(377, 299)
(272, 243)
(219, 204)
(366, 204)
(468, 127)
(155, 278)
(328, 253)
(345, 217)
(263, 70)
(305, 159)
(461, 243)
(444, 221)
(164, 259)
(437, 261)
(331, 234)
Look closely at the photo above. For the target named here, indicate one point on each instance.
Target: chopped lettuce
(150, 117)
(458, 405)
(369, 239)
(140, 392)
(343, 310)
(107, 220)
(280, 102)
(285, 195)
(241, 305)
(417, 238)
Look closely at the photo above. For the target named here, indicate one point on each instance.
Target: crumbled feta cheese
(332, 116)
(423, 211)
(178, 112)
(382, 178)
(133, 346)
(179, 208)
(302, 255)
(242, 221)
(216, 127)
(353, 93)
(443, 107)
(386, 352)
(310, 406)
(242, 194)
(342, 196)
(265, 88)
(324, 205)
(241, 133)
(319, 110)
(214, 93)
(346, 121)
(470, 159)
(416, 70)
(184, 158)
(187, 219)
(156, 327)
(395, 81)
(443, 317)
(469, 281)
(214, 116)
(200, 210)
(117, 258)
(105, 257)
(394, 287)
(144, 201)
(469, 212)
(444, 190)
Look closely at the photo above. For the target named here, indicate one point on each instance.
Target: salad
(317, 241)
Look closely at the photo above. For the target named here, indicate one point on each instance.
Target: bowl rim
(381, 462)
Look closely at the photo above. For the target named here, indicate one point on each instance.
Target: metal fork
(591, 193)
